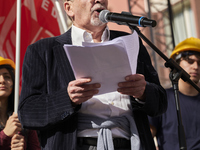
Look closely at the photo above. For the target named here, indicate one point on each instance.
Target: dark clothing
(167, 124)
(87, 147)
(31, 139)
(46, 106)
(91, 143)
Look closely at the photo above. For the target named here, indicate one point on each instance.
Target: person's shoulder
(170, 95)
(169, 90)
(198, 95)
(54, 40)
(48, 40)
(42, 44)
(42, 47)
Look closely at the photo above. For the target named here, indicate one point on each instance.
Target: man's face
(192, 66)
(85, 13)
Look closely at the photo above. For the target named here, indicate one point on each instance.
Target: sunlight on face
(86, 12)
(6, 83)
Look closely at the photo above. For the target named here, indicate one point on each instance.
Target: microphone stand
(176, 73)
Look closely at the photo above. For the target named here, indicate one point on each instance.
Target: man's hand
(79, 91)
(134, 85)
(17, 142)
(13, 125)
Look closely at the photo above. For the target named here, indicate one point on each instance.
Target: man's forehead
(194, 56)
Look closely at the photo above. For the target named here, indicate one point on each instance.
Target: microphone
(124, 18)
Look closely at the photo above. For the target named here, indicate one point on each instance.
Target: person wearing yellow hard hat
(165, 127)
(185, 51)
(9, 122)
(4, 61)
(189, 45)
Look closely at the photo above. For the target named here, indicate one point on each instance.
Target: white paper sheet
(107, 63)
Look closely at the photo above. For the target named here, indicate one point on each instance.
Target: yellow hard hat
(190, 44)
(4, 61)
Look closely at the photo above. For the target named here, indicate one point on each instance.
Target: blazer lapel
(61, 57)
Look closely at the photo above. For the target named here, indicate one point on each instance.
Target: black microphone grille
(102, 15)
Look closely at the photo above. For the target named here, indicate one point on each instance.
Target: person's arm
(154, 98)
(155, 95)
(4, 140)
(43, 102)
(12, 127)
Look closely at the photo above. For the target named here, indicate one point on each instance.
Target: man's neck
(187, 89)
(96, 32)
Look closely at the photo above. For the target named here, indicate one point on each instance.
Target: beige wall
(195, 7)
(118, 6)
(122, 5)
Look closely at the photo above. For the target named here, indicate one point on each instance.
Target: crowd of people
(68, 113)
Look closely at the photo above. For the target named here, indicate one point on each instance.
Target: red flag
(38, 20)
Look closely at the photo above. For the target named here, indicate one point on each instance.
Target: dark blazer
(46, 106)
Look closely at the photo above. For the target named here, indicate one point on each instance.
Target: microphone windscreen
(103, 14)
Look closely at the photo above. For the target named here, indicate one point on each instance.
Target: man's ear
(68, 6)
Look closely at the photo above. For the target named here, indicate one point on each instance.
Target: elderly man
(67, 111)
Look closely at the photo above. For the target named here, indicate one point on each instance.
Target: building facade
(176, 21)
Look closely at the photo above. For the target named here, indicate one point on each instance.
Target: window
(183, 23)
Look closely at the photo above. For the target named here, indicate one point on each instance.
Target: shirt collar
(79, 35)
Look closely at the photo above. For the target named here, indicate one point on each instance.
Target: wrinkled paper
(107, 63)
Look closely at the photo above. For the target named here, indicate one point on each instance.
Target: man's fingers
(135, 92)
(83, 88)
(134, 77)
(134, 85)
(79, 91)
(132, 81)
(80, 81)
(79, 98)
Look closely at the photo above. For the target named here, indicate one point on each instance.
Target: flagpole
(60, 13)
(17, 55)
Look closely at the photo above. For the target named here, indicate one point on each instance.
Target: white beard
(95, 21)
